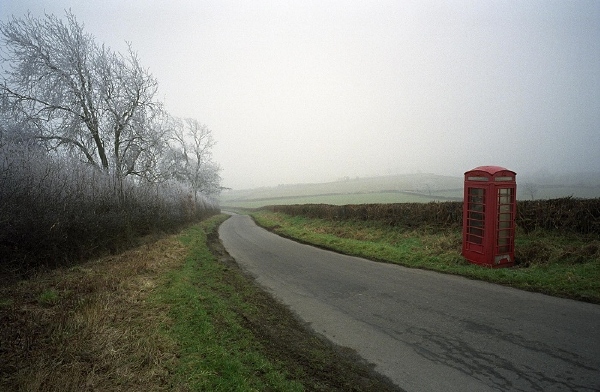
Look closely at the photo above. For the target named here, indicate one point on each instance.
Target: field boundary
(564, 215)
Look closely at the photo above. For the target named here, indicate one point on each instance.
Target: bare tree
(77, 95)
(51, 85)
(531, 189)
(191, 157)
(127, 92)
(147, 145)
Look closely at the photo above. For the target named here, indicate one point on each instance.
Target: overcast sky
(312, 91)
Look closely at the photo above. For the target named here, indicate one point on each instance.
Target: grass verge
(176, 314)
(551, 263)
(216, 352)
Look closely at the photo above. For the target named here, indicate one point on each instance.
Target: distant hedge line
(564, 214)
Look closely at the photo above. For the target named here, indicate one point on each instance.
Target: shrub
(55, 209)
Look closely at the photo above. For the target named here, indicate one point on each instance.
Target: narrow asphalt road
(427, 331)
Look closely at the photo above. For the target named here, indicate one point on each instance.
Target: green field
(337, 199)
(407, 188)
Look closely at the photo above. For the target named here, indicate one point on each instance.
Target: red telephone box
(489, 216)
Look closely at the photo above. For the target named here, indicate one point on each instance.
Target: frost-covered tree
(129, 110)
(76, 95)
(531, 189)
(190, 157)
(89, 159)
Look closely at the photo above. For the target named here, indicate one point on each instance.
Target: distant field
(408, 188)
(357, 198)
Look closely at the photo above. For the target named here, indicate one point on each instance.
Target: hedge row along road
(426, 331)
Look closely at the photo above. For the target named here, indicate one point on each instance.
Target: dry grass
(176, 315)
(90, 327)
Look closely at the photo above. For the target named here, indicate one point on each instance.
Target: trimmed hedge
(564, 214)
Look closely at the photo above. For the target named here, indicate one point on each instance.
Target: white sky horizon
(306, 91)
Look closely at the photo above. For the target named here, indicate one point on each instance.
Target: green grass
(217, 352)
(336, 199)
(174, 314)
(48, 297)
(382, 197)
(551, 263)
(233, 336)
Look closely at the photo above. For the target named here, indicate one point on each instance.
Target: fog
(303, 91)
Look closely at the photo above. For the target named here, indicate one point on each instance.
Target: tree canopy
(80, 99)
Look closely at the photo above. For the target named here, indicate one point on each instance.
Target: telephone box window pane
(505, 196)
(505, 200)
(504, 208)
(475, 239)
(476, 207)
(505, 235)
(504, 225)
(476, 231)
(476, 195)
(504, 217)
(504, 241)
(476, 215)
(475, 199)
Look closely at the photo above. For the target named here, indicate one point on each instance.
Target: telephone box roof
(490, 169)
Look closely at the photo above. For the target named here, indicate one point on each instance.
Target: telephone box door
(489, 216)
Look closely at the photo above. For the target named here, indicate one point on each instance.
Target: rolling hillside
(385, 189)
(405, 188)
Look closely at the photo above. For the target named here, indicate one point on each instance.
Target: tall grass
(90, 327)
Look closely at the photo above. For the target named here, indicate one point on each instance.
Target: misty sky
(311, 91)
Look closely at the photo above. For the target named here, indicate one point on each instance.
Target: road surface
(427, 331)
